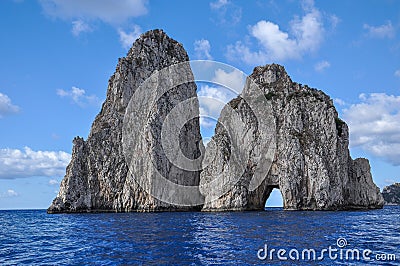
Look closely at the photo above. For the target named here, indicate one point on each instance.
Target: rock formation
(276, 134)
(308, 143)
(391, 194)
(98, 176)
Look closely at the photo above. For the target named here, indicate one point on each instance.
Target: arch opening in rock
(273, 197)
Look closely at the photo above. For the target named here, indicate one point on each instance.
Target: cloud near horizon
(375, 125)
(15, 163)
(9, 194)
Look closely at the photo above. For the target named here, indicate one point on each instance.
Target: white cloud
(16, 163)
(202, 48)
(239, 51)
(218, 4)
(382, 31)
(305, 35)
(375, 125)
(390, 181)
(233, 80)
(227, 12)
(6, 106)
(79, 26)
(11, 193)
(82, 13)
(321, 66)
(53, 182)
(128, 38)
(206, 120)
(397, 73)
(79, 96)
(339, 101)
(212, 99)
(218, 93)
(8, 194)
(334, 21)
(276, 44)
(109, 11)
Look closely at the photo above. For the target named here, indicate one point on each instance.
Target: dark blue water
(34, 237)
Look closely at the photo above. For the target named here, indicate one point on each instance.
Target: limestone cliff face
(391, 194)
(310, 163)
(98, 178)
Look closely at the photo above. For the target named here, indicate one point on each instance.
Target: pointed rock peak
(157, 43)
(270, 74)
(153, 37)
(156, 33)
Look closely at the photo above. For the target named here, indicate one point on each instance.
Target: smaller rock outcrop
(391, 194)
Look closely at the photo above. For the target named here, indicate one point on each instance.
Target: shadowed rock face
(311, 164)
(98, 178)
(391, 194)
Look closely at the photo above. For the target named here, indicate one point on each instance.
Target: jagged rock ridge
(97, 178)
(311, 164)
(391, 194)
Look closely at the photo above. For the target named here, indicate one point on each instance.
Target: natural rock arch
(311, 165)
(270, 200)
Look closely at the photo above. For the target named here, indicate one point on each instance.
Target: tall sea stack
(98, 176)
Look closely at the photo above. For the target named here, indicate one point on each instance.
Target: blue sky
(57, 57)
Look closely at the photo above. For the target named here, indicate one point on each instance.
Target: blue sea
(194, 238)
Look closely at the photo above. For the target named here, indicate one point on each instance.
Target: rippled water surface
(34, 237)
